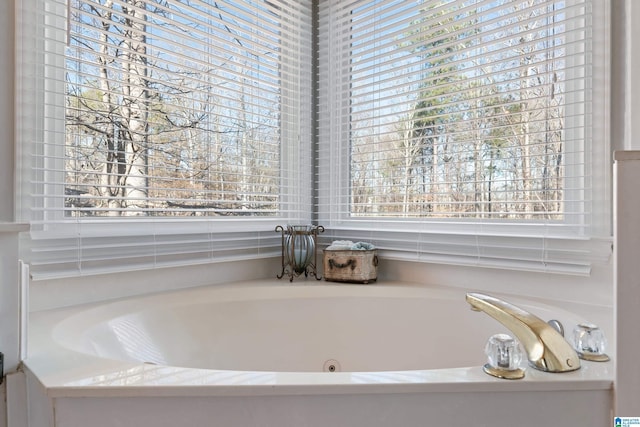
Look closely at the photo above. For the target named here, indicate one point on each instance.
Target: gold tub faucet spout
(546, 349)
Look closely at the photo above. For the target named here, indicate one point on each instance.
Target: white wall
(627, 229)
(8, 241)
(6, 109)
(632, 81)
(627, 284)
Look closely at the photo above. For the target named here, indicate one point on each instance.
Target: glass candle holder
(299, 250)
(300, 246)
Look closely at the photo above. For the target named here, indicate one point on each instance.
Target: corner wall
(626, 136)
(627, 284)
(7, 74)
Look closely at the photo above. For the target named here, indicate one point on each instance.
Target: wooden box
(351, 266)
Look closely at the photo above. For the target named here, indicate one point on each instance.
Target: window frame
(561, 246)
(42, 34)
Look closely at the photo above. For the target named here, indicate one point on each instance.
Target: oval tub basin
(305, 344)
(293, 329)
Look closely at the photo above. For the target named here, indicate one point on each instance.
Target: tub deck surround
(85, 352)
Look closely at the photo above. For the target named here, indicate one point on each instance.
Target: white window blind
(157, 132)
(469, 132)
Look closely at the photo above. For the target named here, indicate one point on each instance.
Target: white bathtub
(273, 353)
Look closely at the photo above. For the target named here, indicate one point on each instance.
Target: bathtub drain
(331, 365)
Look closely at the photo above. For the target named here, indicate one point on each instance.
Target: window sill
(553, 254)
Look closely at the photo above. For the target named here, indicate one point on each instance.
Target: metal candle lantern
(299, 250)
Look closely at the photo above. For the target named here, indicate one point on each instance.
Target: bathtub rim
(67, 373)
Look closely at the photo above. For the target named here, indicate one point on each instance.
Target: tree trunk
(135, 109)
(115, 150)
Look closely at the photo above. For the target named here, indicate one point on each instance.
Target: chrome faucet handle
(546, 349)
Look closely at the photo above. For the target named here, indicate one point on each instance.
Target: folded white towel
(362, 246)
(348, 245)
(340, 245)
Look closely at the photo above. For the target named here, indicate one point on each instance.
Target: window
(170, 132)
(470, 132)
(157, 132)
